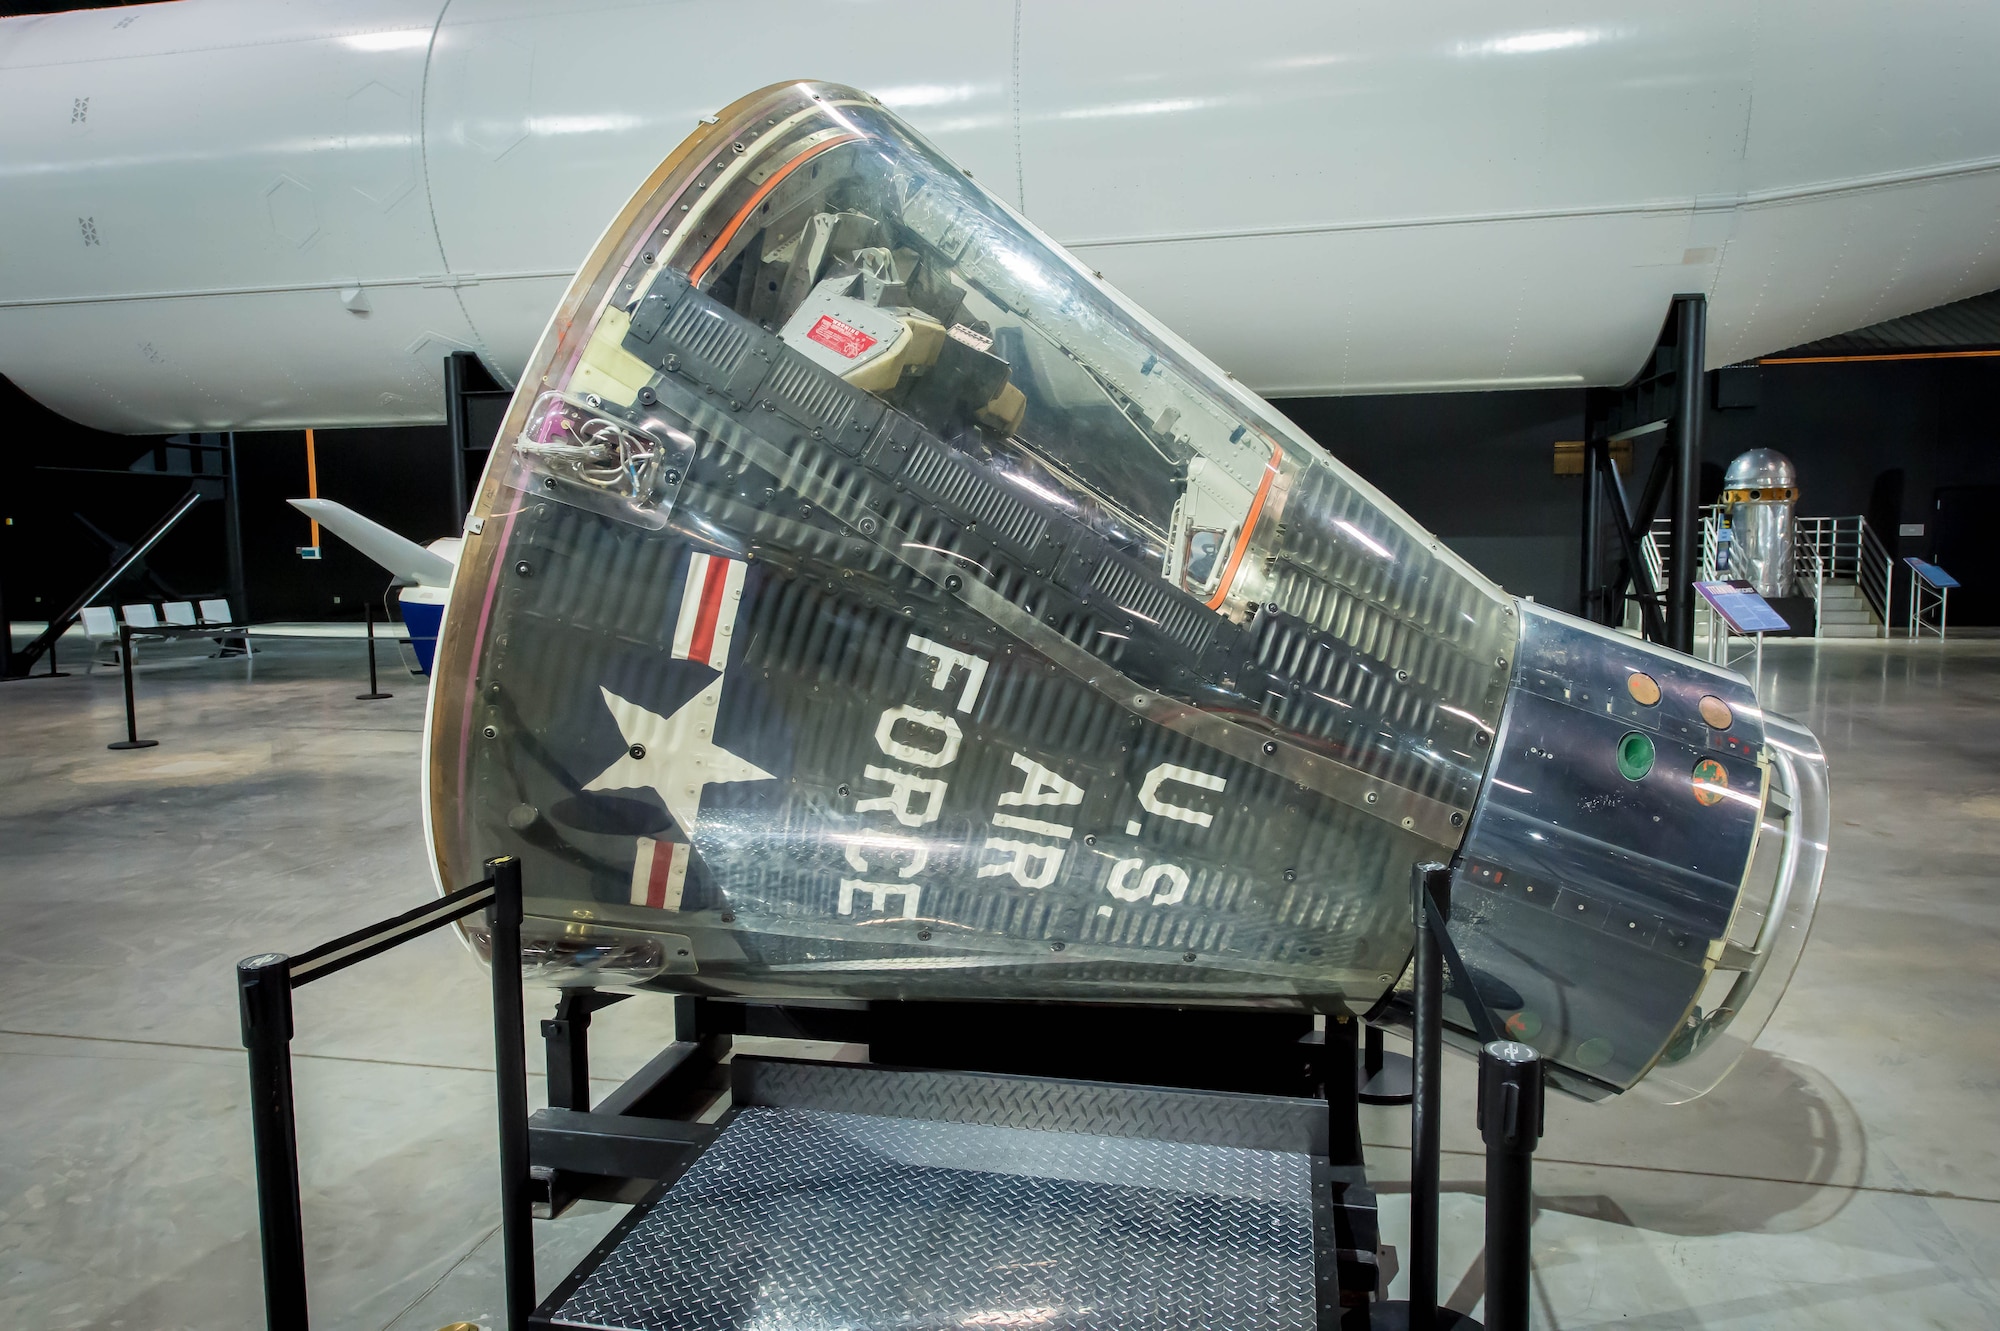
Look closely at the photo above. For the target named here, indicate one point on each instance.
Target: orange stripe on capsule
(714, 251)
(1249, 525)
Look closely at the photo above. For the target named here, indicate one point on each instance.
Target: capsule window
(1635, 756)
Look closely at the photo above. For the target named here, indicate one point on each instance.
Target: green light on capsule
(1635, 756)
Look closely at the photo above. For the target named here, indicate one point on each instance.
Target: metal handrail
(1876, 573)
(1816, 568)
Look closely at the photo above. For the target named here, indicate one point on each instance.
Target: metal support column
(1665, 399)
(455, 373)
(232, 493)
(566, 1045)
(1343, 1112)
(1590, 603)
(1690, 342)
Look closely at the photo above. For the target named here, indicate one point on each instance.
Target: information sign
(1741, 607)
(1930, 573)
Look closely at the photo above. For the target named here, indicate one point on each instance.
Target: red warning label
(844, 338)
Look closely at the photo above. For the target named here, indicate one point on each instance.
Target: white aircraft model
(424, 572)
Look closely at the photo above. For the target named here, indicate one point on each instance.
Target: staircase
(1841, 566)
(1845, 613)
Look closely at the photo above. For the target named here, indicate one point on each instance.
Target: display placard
(1741, 607)
(1930, 573)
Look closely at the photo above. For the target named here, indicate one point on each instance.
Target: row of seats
(100, 624)
(101, 621)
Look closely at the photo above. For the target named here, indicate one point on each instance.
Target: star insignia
(675, 756)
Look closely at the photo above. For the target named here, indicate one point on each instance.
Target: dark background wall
(1476, 468)
(1913, 441)
(69, 490)
(1904, 442)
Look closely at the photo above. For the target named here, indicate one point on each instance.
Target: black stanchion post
(510, 1063)
(264, 1000)
(374, 693)
(131, 740)
(1427, 882)
(1510, 1119)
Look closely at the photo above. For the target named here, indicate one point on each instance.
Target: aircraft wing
(399, 554)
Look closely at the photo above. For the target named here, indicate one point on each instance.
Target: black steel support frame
(1666, 395)
(465, 378)
(643, 1136)
(16, 665)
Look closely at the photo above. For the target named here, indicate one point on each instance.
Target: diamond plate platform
(809, 1220)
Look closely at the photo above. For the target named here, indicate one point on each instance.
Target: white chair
(141, 616)
(216, 611)
(100, 629)
(180, 614)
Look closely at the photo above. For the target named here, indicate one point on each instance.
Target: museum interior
(1002, 666)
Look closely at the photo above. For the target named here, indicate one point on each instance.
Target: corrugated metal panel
(1962, 325)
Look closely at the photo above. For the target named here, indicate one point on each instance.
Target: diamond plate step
(809, 1220)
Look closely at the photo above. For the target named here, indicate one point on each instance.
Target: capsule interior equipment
(864, 600)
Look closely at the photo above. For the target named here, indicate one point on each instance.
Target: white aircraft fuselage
(226, 215)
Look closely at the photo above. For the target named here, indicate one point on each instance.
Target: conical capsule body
(863, 600)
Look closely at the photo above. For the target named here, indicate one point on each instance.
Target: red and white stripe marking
(708, 609)
(659, 872)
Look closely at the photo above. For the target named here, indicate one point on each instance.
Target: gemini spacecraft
(865, 600)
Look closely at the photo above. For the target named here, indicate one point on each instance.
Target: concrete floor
(1847, 1175)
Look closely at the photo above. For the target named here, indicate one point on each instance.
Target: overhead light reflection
(1040, 491)
(1462, 713)
(1531, 43)
(1364, 538)
(1163, 106)
(932, 94)
(404, 39)
(600, 124)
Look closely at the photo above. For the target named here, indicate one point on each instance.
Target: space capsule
(865, 600)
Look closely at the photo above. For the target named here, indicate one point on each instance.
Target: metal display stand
(983, 1156)
(1930, 599)
(374, 693)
